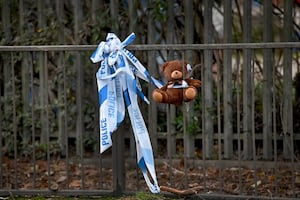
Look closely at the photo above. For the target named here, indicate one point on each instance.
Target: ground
(185, 180)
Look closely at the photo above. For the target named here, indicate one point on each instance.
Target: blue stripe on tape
(142, 165)
(127, 98)
(121, 61)
(134, 85)
(112, 70)
(94, 54)
(128, 40)
(147, 74)
(102, 95)
(148, 156)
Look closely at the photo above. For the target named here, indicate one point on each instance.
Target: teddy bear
(179, 87)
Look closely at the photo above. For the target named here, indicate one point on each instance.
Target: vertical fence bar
(16, 186)
(41, 24)
(238, 119)
(46, 108)
(118, 162)
(6, 20)
(1, 138)
(227, 80)
(252, 84)
(132, 14)
(118, 147)
(25, 76)
(114, 12)
(41, 13)
(267, 82)
(275, 132)
(218, 84)
(7, 77)
(81, 121)
(61, 111)
(208, 81)
(171, 109)
(247, 90)
(189, 139)
(78, 16)
(203, 125)
(288, 132)
(65, 125)
(287, 83)
(153, 71)
(59, 5)
(33, 133)
(25, 97)
(185, 111)
(42, 92)
(100, 166)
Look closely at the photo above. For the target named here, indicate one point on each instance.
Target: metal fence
(238, 139)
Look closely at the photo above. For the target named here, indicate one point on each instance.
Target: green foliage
(159, 10)
(194, 125)
(90, 141)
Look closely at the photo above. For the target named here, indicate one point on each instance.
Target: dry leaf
(61, 179)
(257, 184)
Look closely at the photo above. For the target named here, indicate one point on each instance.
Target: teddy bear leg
(190, 93)
(159, 96)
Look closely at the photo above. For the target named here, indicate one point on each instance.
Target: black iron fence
(239, 138)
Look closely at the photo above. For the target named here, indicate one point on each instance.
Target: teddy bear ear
(164, 66)
(188, 67)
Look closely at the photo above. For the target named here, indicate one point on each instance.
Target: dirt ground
(175, 178)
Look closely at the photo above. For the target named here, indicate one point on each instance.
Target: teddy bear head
(175, 70)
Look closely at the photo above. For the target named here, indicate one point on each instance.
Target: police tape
(118, 86)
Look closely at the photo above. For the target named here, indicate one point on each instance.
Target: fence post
(152, 68)
(247, 90)
(26, 63)
(1, 146)
(118, 161)
(268, 82)
(227, 78)
(60, 90)
(189, 138)
(208, 130)
(42, 69)
(287, 85)
(171, 109)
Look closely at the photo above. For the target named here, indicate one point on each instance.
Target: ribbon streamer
(118, 86)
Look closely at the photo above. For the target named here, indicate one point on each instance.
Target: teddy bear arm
(164, 88)
(194, 82)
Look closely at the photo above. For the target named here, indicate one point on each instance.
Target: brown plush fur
(176, 72)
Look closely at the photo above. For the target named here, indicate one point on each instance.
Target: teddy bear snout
(176, 74)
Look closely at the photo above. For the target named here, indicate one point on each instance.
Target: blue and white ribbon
(118, 86)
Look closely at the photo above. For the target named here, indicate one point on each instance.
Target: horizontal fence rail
(225, 143)
(151, 47)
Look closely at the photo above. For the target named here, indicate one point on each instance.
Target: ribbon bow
(118, 86)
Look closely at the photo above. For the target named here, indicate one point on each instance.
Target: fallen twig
(190, 191)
